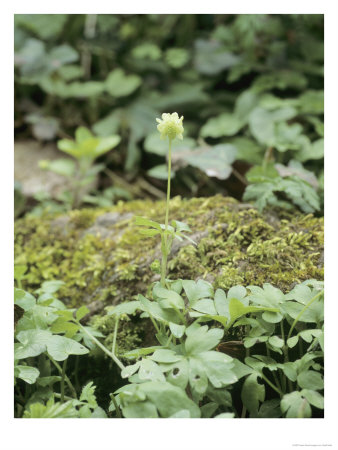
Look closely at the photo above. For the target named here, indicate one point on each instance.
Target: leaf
(214, 161)
(160, 172)
(292, 341)
(310, 380)
(27, 373)
(51, 410)
(118, 84)
(270, 409)
(154, 144)
(32, 343)
(198, 379)
(62, 166)
(195, 291)
(179, 374)
(24, 299)
(124, 308)
(295, 405)
(202, 339)
(165, 356)
(218, 368)
(252, 394)
(211, 58)
(248, 150)
(88, 395)
(206, 305)
(60, 348)
(81, 312)
(224, 125)
(169, 399)
(177, 330)
(142, 221)
(314, 150)
(168, 298)
(276, 341)
(313, 397)
(237, 309)
(221, 303)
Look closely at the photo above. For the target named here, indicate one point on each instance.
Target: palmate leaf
(297, 192)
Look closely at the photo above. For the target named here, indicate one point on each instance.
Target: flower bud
(170, 126)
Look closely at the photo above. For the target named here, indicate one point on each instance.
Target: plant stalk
(165, 236)
(63, 380)
(102, 347)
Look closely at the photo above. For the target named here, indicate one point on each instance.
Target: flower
(170, 126)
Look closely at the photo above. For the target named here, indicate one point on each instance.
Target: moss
(129, 333)
(110, 261)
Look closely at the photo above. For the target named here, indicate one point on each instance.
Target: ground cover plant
(250, 87)
(249, 351)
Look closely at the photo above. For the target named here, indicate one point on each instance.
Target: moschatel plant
(80, 171)
(249, 352)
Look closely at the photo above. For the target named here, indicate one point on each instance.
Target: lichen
(111, 262)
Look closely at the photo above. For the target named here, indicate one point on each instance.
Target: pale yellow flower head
(170, 126)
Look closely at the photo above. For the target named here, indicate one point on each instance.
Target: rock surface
(103, 260)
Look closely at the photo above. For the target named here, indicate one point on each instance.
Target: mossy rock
(103, 260)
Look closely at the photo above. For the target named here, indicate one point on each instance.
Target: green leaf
(62, 166)
(218, 368)
(194, 291)
(51, 410)
(295, 406)
(160, 172)
(221, 303)
(165, 356)
(276, 341)
(310, 380)
(252, 394)
(81, 312)
(61, 325)
(270, 409)
(168, 298)
(214, 161)
(198, 379)
(154, 144)
(314, 150)
(142, 221)
(248, 150)
(179, 374)
(32, 343)
(27, 373)
(224, 125)
(169, 399)
(124, 308)
(88, 395)
(177, 330)
(60, 348)
(206, 305)
(313, 397)
(292, 341)
(211, 58)
(202, 339)
(24, 299)
(237, 309)
(118, 84)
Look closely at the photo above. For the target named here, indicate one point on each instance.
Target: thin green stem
(64, 365)
(275, 388)
(165, 234)
(67, 380)
(117, 409)
(102, 347)
(273, 372)
(302, 311)
(168, 188)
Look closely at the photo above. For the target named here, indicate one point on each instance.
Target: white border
(166, 434)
